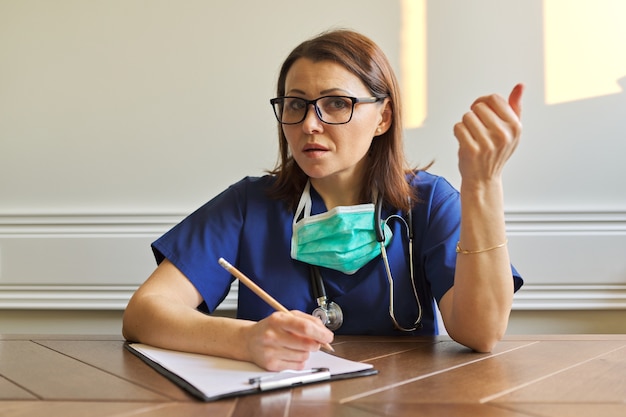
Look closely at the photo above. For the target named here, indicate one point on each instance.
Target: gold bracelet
(471, 252)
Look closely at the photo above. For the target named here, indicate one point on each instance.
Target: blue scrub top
(253, 232)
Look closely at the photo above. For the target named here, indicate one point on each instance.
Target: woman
(386, 242)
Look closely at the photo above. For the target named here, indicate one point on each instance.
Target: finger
(270, 345)
(312, 327)
(298, 331)
(515, 99)
(463, 135)
(487, 125)
(477, 124)
(493, 108)
(510, 109)
(281, 364)
(281, 358)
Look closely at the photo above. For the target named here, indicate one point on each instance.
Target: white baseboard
(569, 260)
(74, 297)
(571, 297)
(102, 297)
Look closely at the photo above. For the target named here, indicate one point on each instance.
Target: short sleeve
(195, 244)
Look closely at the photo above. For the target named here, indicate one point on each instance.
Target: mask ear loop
(380, 237)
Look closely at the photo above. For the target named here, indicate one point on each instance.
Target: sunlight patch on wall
(413, 62)
(585, 44)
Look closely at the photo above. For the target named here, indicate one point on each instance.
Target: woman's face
(335, 152)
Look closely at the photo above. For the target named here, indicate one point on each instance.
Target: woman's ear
(386, 118)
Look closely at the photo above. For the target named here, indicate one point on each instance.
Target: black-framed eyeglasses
(332, 110)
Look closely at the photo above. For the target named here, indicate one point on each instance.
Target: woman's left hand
(476, 309)
(488, 135)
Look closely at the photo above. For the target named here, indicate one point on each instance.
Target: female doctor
(341, 226)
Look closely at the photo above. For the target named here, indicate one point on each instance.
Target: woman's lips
(314, 150)
(314, 147)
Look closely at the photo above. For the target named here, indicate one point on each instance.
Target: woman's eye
(338, 103)
(295, 104)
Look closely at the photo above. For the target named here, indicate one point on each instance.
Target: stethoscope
(330, 313)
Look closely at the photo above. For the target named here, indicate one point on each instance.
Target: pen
(289, 378)
(260, 292)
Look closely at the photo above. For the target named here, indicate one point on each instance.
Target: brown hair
(388, 170)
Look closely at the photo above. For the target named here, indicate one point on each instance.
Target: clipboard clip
(289, 378)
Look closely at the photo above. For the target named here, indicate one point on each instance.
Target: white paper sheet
(218, 377)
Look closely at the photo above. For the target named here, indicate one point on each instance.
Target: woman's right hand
(285, 340)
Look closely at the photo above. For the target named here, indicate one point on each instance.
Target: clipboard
(210, 378)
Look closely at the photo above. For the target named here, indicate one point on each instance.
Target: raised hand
(488, 135)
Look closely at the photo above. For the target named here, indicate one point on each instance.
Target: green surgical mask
(343, 238)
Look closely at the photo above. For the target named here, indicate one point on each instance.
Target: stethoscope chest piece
(330, 314)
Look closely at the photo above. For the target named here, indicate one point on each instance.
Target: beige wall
(118, 118)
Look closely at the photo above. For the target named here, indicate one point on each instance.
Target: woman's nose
(312, 122)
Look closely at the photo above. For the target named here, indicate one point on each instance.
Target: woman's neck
(338, 192)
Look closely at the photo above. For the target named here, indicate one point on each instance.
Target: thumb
(515, 99)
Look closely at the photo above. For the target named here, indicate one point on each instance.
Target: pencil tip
(328, 347)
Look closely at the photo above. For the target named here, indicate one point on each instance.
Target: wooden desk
(524, 376)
